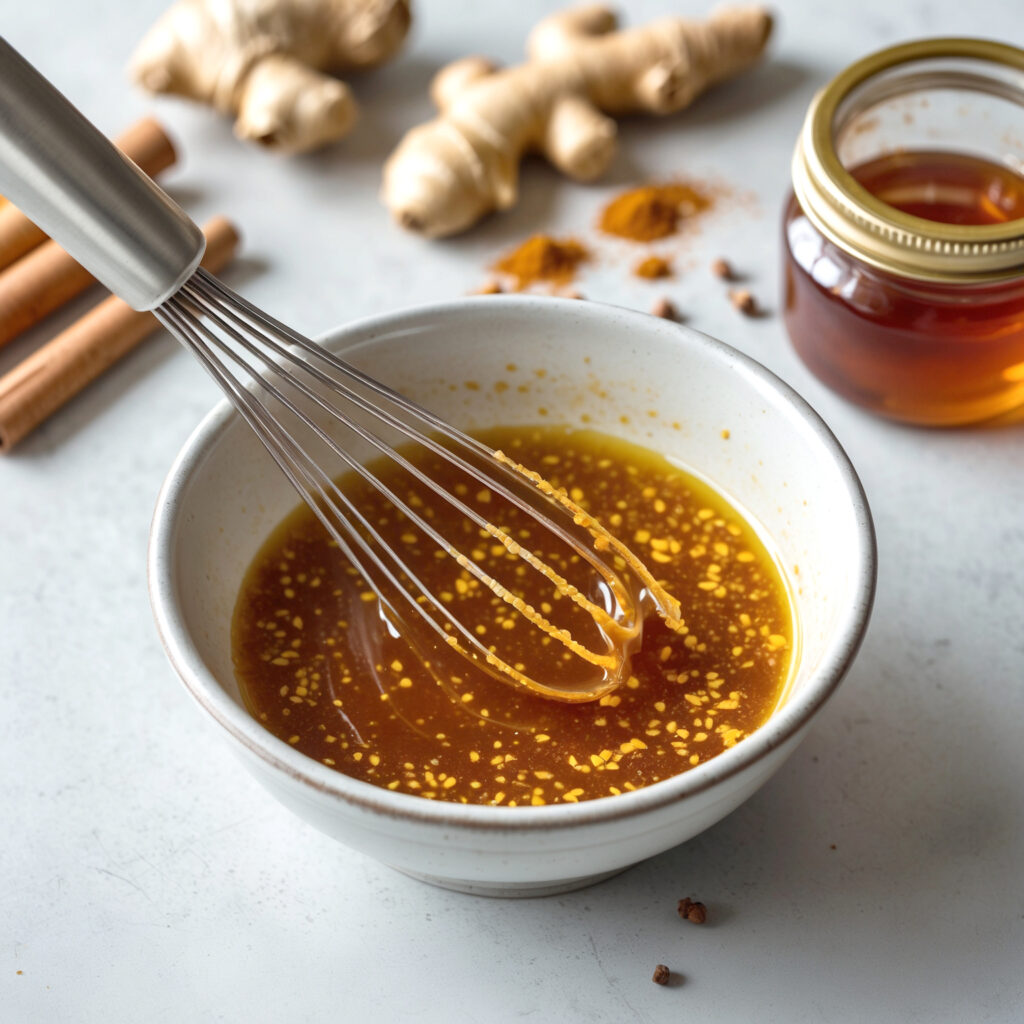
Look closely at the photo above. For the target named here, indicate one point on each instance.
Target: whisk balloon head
(460, 547)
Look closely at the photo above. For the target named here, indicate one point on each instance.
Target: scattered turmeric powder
(653, 267)
(642, 214)
(652, 211)
(542, 258)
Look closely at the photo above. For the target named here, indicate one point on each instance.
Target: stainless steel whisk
(296, 398)
(58, 168)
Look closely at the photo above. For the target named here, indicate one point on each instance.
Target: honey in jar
(904, 236)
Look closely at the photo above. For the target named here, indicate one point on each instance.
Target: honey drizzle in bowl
(320, 668)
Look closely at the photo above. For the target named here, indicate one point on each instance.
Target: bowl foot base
(513, 890)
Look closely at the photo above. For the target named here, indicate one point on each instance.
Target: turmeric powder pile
(653, 267)
(542, 258)
(645, 213)
(651, 211)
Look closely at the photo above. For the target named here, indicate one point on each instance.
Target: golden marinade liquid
(318, 668)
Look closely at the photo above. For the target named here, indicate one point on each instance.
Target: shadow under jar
(903, 237)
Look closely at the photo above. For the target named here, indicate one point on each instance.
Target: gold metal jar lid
(855, 220)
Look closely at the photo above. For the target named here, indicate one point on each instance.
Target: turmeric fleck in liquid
(320, 669)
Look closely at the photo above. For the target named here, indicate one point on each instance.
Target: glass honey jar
(903, 238)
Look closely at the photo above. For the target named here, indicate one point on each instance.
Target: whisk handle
(64, 175)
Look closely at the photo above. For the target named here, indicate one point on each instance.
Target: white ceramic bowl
(780, 464)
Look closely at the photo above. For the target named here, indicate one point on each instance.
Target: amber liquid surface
(319, 669)
(922, 352)
(949, 188)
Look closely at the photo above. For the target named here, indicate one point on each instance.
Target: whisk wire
(314, 484)
(558, 581)
(332, 507)
(225, 331)
(228, 303)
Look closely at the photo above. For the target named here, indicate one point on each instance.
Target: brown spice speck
(490, 287)
(744, 301)
(691, 910)
(653, 267)
(661, 975)
(723, 269)
(666, 309)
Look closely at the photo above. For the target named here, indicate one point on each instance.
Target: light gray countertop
(144, 876)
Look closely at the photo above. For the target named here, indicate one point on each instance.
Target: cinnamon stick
(48, 378)
(45, 278)
(145, 142)
(36, 285)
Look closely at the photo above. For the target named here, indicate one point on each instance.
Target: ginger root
(446, 174)
(264, 61)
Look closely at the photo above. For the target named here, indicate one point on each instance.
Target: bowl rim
(279, 756)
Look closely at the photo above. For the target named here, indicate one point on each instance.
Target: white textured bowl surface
(780, 464)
